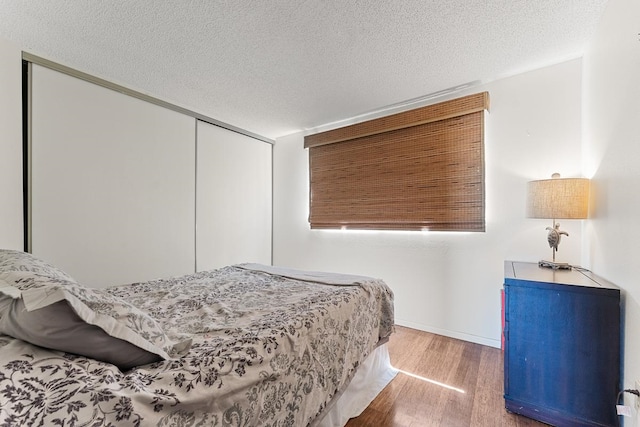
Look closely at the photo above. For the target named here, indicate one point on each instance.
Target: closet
(123, 190)
(233, 198)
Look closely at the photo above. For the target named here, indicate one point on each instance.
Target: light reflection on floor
(431, 381)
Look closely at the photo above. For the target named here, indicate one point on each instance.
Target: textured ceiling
(276, 67)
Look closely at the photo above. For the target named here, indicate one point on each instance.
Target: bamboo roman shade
(417, 170)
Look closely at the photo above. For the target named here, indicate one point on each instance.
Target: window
(421, 169)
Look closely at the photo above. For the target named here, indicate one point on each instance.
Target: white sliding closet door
(233, 210)
(113, 183)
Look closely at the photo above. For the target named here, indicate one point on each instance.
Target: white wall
(449, 283)
(11, 230)
(612, 155)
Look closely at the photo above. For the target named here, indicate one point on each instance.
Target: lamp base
(554, 265)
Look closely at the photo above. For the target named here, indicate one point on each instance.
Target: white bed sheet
(372, 377)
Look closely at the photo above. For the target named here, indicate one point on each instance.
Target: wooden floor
(458, 384)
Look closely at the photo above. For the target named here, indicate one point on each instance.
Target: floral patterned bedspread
(267, 351)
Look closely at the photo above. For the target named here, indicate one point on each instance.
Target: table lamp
(557, 198)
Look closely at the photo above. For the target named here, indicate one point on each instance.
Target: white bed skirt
(373, 375)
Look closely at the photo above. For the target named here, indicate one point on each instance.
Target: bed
(244, 345)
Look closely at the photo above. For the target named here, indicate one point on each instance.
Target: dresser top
(530, 271)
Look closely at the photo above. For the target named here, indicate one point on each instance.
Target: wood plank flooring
(445, 382)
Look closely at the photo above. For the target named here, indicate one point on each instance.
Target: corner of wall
(11, 226)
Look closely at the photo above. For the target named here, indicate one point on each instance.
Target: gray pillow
(58, 327)
(28, 285)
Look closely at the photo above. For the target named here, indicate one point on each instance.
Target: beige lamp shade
(558, 198)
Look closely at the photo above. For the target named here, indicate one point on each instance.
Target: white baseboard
(452, 334)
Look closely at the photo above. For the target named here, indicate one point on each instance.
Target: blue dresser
(562, 345)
